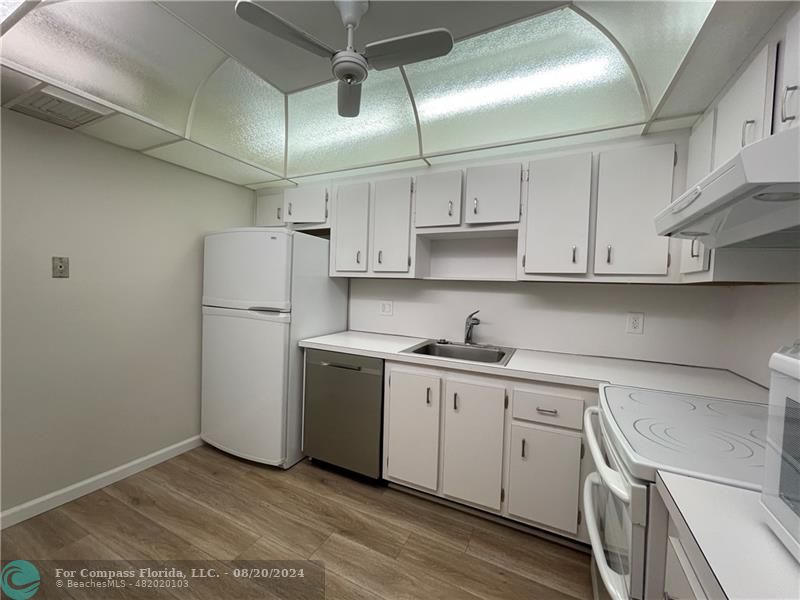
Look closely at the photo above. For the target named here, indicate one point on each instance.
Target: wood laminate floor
(375, 542)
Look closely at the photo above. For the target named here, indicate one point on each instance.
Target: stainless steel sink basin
(471, 352)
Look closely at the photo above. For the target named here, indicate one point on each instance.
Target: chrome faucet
(470, 322)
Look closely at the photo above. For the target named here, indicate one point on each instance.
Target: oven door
(613, 503)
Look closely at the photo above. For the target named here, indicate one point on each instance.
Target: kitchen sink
(471, 352)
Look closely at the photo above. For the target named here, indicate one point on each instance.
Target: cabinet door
(269, 211)
(392, 222)
(306, 204)
(493, 194)
(701, 148)
(544, 477)
(473, 443)
(787, 102)
(695, 258)
(557, 222)
(633, 185)
(412, 414)
(438, 199)
(351, 227)
(740, 112)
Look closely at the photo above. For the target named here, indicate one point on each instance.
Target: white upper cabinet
(269, 210)
(438, 199)
(787, 102)
(473, 442)
(694, 256)
(557, 220)
(633, 185)
(493, 194)
(351, 227)
(391, 225)
(701, 149)
(741, 111)
(306, 204)
(412, 429)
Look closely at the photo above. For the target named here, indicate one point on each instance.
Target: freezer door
(249, 269)
(244, 382)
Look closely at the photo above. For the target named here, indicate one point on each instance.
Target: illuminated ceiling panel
(131, 54)
(549, 75)
(241, 115)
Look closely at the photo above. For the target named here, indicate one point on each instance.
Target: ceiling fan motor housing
(349, 66)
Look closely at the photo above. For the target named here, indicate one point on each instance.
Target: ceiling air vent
(57, 106)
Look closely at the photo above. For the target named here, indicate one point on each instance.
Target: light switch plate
(60, 267)
(386, 308)
(635, 323)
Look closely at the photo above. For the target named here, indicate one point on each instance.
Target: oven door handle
(611, 478)
(611, 579)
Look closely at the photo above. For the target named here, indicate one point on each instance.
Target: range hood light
(777, 196)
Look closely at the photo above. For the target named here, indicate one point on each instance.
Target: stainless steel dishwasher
(343, 410)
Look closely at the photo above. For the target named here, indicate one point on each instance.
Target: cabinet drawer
(552, 409)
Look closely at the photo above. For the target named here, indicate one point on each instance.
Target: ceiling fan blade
(407, 49)
(349, 99)
(272, 23)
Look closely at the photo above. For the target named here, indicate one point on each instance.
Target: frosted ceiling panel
(320, 140)
(240, 114)
(656, 35)
(132, 54)
(548, 75)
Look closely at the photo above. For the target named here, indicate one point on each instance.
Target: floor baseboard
(49, 501)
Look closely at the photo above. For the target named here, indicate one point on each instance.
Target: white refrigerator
(264, 289)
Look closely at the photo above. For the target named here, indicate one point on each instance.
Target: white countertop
(729, 527)
(554, 367)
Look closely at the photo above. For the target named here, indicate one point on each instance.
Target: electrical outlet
(386, 308)
(60, 267)
(635, 323)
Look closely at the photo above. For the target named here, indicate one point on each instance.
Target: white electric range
(644, 431)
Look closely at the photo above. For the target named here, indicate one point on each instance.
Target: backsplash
(685, 325)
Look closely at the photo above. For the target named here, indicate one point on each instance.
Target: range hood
(753, 200)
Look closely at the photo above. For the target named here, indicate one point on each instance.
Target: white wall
(104, 367)
(765, 317)
(715, 326)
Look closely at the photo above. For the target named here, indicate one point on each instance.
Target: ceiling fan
(350, 66)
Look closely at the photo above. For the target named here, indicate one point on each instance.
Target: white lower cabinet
(544, 476)
(412, 429)
(473, 442)
(504, 446)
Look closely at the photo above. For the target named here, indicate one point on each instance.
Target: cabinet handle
(692, 253)
(428, 396)
(523, 448)
(455, 401)
(358, 257)
(279, 213)
(553, 412)
(380, 257)
(574, 254)
(289, 210)
(340, 366)
(744, 129)
(474, 206)
(450, 208)
(784, 116)
(608, 254)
